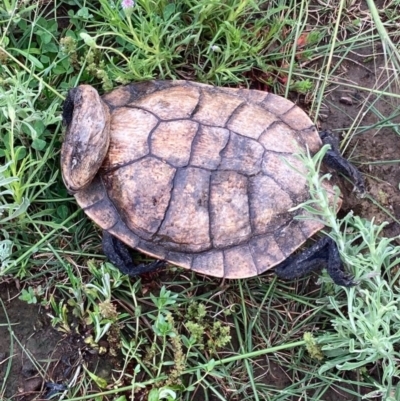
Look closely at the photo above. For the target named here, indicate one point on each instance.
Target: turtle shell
(196, 175)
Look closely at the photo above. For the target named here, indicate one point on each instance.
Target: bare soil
(35, 358)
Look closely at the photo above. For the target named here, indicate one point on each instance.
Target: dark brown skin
(192, 174)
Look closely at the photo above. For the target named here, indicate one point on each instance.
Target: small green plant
(8, 211)
(203, 331)
(369, 331)
(31, 294)
(164, 393)
(91, 303)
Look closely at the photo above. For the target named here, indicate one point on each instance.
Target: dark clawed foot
(336, 161)
(160, 264)
(118, 254)
(324, 253)
(343, 279)
(148, 267)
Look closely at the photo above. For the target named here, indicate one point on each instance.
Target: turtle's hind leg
(324, 253)
(336, 161)
(118, 254)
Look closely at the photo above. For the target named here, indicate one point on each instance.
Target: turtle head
(87, 137)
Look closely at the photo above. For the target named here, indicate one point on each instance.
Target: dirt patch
(36, 360)
(371, 150)
(27, 349)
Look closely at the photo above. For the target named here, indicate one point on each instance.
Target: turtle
(193, 175)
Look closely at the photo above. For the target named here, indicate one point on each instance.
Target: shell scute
(250, 120)
(266, 252)
(141, 191)
(238, 262)
(297, 119)
(152, 249)
(92, 194)
(191, 195)
(118, 97)
(216, 107)
(280, 138)
(207, 147)
(229, 209)
(172, 103)
(251, 96)
(128, 141)
(181, 259)
(267, 201)
(96, 204)
(126, 235)
(103, 213)
(242, 154)
(277, 105)
(311, 137)
(290, 237)
(291, 181)
(211, 262)
(172, 141)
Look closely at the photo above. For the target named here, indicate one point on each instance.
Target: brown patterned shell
(195, 175)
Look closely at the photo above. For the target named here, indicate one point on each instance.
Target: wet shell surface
(196, 175)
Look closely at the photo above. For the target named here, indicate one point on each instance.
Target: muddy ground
(33, 335)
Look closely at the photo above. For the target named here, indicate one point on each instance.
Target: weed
(370, 330)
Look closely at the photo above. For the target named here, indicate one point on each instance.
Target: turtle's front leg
(118, 254)
(336, 161)
(324, 253)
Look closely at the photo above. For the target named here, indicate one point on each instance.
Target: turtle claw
(118, 254)
(324, 253)
(341, 278)
(146, 267)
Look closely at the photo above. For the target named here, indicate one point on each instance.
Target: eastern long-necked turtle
(193, 174)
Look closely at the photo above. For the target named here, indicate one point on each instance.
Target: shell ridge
(251, 251)
(149, 137)
(249, 201)
(209, 209)
(221, 152)
(280, 234)
(191, 189)
(288, 111)
(134, 106)
(165, 161)
(192, 145)
(198, 105)
(282, 187)
(234, 210)
(108, 170)
(224, 263)
(105, 198)
(166, 213)
(233, 114)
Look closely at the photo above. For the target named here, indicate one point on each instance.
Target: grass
(178, 335)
